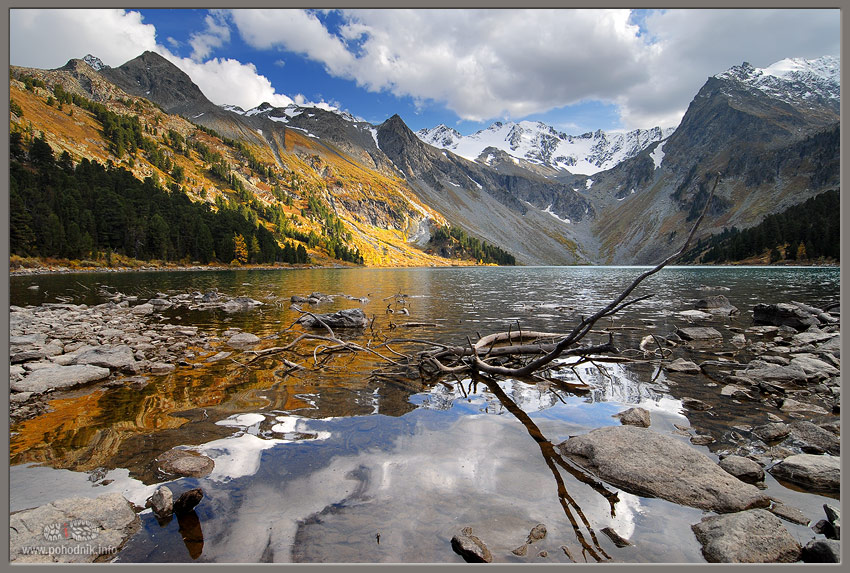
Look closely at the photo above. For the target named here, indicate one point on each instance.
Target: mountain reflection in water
(313, 465)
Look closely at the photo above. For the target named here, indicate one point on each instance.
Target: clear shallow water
(312, 466)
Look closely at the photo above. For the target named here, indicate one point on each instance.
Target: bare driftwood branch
(476, 364)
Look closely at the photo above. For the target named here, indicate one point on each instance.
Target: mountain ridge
(771, 134)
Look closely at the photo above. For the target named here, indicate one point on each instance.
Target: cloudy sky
(578, 70)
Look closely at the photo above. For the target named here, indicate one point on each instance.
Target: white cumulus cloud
(481, 64)
(47, 39)
(484, 64)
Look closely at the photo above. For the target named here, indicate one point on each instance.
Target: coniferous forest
(58, 209)
(804, 232)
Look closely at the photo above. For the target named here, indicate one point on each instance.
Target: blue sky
(577, 70)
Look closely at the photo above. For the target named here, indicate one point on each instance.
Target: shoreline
(57, 269)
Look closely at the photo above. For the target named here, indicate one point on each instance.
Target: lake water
(336, 465)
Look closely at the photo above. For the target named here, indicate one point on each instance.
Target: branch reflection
(553, 461)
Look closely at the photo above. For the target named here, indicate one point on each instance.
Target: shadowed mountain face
(153, 77)
(773, 140)
(771, 134)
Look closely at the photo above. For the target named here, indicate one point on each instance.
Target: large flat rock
(700, 333)
(755, 536)
(816, 472)
(72, 530)
(55, 377)
(647, 463)
(113, 357)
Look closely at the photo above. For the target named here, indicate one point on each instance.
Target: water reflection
(311, 465)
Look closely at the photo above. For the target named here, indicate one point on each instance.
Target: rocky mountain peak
(157, 79)
(95, 62)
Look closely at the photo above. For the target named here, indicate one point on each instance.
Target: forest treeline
(450, 240)
(806, 231)
(58, 209)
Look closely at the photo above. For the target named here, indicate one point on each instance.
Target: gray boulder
(692, 315)
(112, 357)
(793, 406)
(239, 304)
(754, 536)
(243, 340)
(784, 314)
(814, 439)
(684, 366)
(634, 417)
(57, 377)
(822, 551)
(143, 309)
(647, 463)
(772, 431)
(743, 468)
(814, 368)
(348, 318)
(103, 523)
(161, 502)
(765, 372)
(716, 304)
(700, 333)
(472, 549)
(818, 473)
(185, 463)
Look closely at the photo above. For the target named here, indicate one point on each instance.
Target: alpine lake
(341, 462)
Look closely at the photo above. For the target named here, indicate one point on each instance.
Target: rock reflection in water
(190, 530)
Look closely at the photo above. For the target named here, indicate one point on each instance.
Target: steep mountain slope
(547, 198)
(773, 147)
(354, 211)
(541, 144)
(517, 208)
(541, 221)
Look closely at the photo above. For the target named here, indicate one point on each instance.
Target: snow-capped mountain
(95, 62)
(283, 114)
(793, 80)
(542, 144)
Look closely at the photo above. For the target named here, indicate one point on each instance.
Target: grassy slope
(342, 183)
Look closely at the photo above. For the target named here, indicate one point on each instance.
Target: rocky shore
(789, 365)
(58, 346)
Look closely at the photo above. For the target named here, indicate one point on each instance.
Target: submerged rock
(647, 463)
(243, 340)
(716, 304)
(472, 549)
(754, 536)
(185, 463)
(700, 333)
(348, 318)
